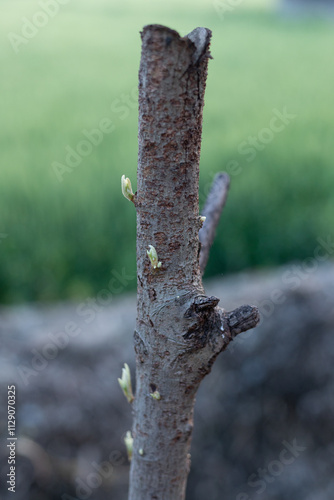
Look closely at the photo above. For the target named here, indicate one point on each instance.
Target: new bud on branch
(125, 383)
(127, 188)
(128, 441)
(153, 256)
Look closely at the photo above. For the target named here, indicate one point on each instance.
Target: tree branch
(212, 210)
(242, 319)
(179, 330)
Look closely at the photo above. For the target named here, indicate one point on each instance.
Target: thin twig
(212, 211)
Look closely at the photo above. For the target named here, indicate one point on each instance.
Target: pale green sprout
(155, 395)
(153, 256)
(127, 188)
(128, 440)
(125, 383)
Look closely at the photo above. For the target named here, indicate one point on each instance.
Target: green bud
(202, 219)
(128, 440)
(155, 395)
(153, 256)
(126, 188)
(125, 383)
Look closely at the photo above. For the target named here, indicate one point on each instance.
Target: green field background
(62, 240)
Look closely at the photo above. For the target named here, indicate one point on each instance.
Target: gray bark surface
(179, 330)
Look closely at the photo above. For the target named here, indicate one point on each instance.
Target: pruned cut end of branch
(242, 319)
(212, 211)
(159, 27)
(201, 39)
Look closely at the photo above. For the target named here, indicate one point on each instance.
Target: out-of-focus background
(68, 126)
(63, 223)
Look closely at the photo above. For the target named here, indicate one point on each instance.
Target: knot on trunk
(201, 318)
(201, 304)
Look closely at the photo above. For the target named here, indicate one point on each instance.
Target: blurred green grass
(63, 239)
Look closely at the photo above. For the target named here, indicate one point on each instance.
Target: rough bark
(179, 330)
